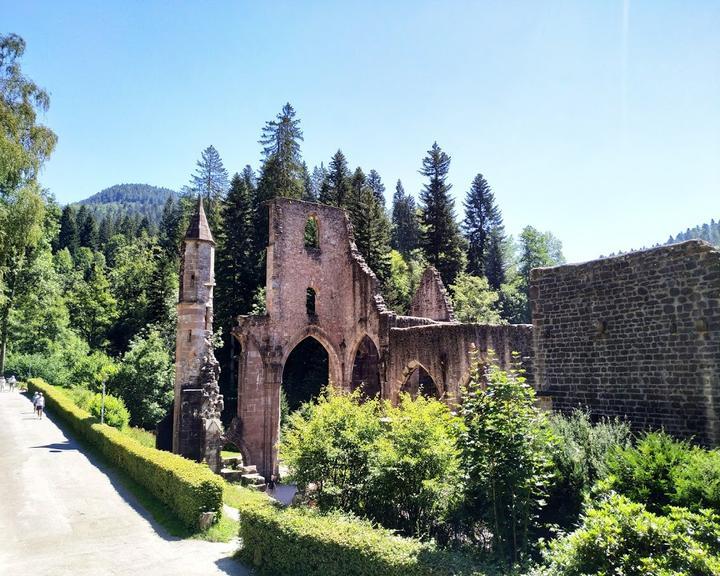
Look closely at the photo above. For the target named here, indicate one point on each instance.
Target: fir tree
(405, 229)
(308, 190)
(440, 238)
(282, 171)
(106, 231)
(336, 187)
(68, 237)
(211, 182)
(318, 177)
(371, 227)
(482, 216)
(377, 186)
(236, 258)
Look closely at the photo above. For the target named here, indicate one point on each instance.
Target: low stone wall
(635, 336)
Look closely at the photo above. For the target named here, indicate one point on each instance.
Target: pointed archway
(419, 382)
(366, 369)
(305, 373)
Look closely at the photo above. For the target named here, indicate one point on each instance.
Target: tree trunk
(5, 316)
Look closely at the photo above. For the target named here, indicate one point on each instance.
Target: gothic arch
(334, 370)
(365, 367)
(414, 368)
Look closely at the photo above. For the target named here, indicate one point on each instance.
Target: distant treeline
(708, 232)
(134, 201)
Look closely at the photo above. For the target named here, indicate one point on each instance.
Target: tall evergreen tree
(496, 263)
(371, 227)
(210, 181)
(482, 216)
(282, 171)
(308, 190)
(336, 187)
(69, 237)
(106, 230)
(440, 237)
(237, 261)
(318, 177)
(405, 228)
(377, 186)
(87, 228)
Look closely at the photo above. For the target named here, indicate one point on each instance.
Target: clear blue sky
(597, 120)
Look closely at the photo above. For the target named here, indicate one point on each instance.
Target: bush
(661, 471)
(505, 459)
(189, 489)
(116, 415)
(622, 537)
(304, 542)
(580, 455)
(397, 465)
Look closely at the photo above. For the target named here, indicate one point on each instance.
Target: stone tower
(197, 430)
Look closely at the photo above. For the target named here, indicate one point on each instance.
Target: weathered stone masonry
(634, 336)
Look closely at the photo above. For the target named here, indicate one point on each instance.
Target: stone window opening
(189, 335)
(192, 280)
(310, 302)
(312, 233)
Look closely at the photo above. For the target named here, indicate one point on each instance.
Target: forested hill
(129, 199)
(710, 232)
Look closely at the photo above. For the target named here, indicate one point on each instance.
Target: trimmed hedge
(189, 489)
(300, 541)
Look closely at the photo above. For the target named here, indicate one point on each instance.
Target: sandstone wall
(443, 351)
(635, 336)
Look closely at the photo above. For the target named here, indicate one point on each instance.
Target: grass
(230, 454)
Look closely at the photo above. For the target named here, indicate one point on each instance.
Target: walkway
(64, 513)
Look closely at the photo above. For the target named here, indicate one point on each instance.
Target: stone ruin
(635, 336)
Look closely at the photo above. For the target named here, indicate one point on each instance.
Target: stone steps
(254, 481)
(233, 470)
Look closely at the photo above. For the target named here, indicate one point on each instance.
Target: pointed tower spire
(199, 228)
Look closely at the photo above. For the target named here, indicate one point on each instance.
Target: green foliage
(710, 232)
(330, 444)
(405, 274)
(303, 542)
(187, 488)
(505, 457)
(116, 415)
(621, 537)
(405, 227)
(397, 465)
(145, 379)
(482, 219)
(440, 237)
(140, 435)
(661, 471)
(579, 458)
(474, 300)
(335, 189)
(116, 202)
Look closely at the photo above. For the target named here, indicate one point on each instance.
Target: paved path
(64, 513)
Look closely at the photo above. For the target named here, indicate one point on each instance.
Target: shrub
(415, 478)
(505, 458)
(580, 454)
(622, 537)
(304, 542)
(661, 471)
(116, 415)
(145, 379)
(189, 489)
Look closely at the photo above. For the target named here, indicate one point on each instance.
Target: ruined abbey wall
(634, 336)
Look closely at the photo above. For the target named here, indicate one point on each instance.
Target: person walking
(34, 401)
(13, 382)
(40, 405)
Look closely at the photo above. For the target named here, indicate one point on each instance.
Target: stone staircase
(233, 470)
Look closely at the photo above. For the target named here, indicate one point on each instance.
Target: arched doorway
(419, 381)
(305, 373)
(366, 370)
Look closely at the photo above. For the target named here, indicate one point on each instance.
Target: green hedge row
(298, 541)
(189, 489)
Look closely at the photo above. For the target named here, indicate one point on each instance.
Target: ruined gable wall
(636, 335)
(443, 350)
(431, 299)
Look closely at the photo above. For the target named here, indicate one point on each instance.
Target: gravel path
(64, 513)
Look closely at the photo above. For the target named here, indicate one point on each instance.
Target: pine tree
(106, 231)
(237, 261)
(68, 237)
(318, 177)
(377, 186)
(440, 238)
(336, 187)
(308, 191)
(371, 227)
(210, 181)
(482, 216)
(405, 229)
(282, 171)
(495, 262)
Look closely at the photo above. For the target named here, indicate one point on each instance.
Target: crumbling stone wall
(443, 351)
(634, 336)
(431, 299)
